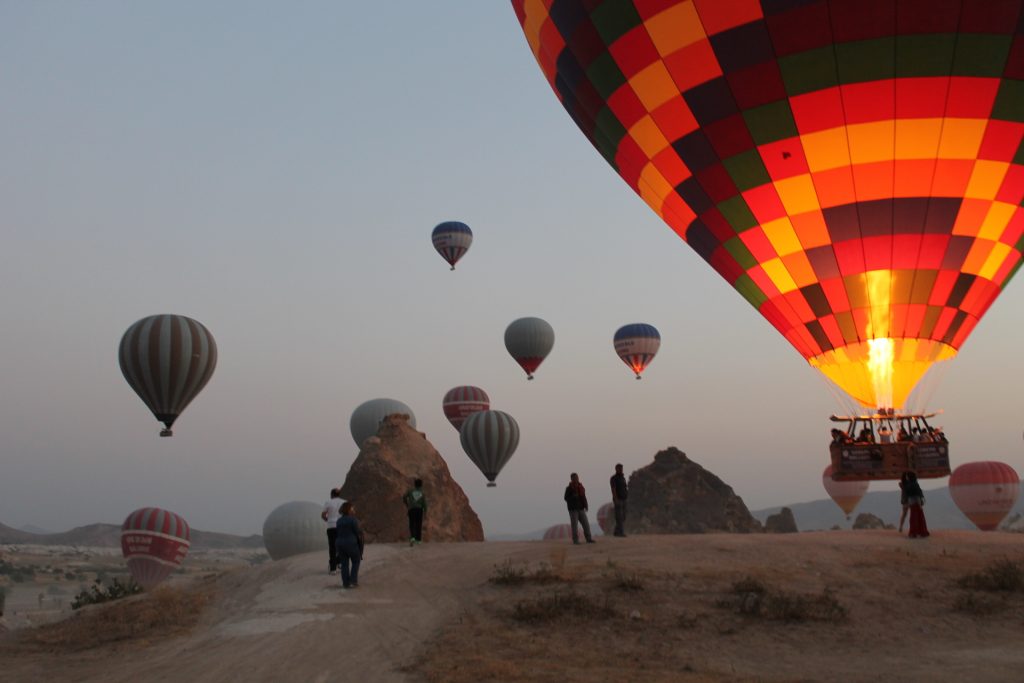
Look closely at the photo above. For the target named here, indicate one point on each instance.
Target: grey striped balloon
(489, 437)
(167, 360)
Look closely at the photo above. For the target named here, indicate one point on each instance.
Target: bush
(562, 605)
(977, 604)
(1002, 575)
(97, 594)
(753, 598)
(509, 574)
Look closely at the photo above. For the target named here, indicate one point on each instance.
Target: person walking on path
(576, 501)
(330, 514)
(350, 546)
(620, 492)
(416, 502)
(915, 499)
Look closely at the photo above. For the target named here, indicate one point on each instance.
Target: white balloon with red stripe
(154, 543)
(984, 491)
(845, 494)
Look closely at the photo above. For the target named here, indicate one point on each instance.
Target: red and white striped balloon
(154, 543)
(606, 518)
(984, 491)
(461, 402)
(560, 532)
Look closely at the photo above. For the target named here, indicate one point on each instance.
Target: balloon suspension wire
(847, 405)
(922, 397)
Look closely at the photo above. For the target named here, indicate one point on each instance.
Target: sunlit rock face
(674, 495)
(385, 470)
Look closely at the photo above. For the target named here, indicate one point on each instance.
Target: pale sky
(274, 171)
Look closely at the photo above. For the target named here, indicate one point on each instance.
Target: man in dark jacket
(620, 491)
(576, 501)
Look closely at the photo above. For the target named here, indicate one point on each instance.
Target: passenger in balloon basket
(416, 503)
(350, 542)
(915, 501)
(576, 500)
(620, 492)
(330, 514)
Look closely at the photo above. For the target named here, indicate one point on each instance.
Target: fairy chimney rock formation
(385, 469)
(674, 495)
(782, 522)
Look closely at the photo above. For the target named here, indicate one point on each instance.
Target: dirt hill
(818, 606)
(109, 536)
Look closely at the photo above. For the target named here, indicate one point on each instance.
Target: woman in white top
(330, 514)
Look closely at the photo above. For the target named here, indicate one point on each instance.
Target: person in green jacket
(416, 503)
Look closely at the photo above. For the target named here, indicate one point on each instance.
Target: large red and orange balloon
(984, 491)
(853, 168)
(154, 543)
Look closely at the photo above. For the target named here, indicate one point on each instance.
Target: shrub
(97, 594)
(1002, 575)
(562, 605)
(753, 598)
(509, 574)
(977, 604)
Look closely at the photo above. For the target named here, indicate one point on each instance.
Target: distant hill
(940, 511)
(109, 536)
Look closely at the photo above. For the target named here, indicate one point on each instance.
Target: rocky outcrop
(674, 495)
(385, 470)
(866, 520)
(782, 522)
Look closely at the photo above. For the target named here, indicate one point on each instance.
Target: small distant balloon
(366, 418)
(985, 492)
(560, 532)
(637, 344)
(529, 341)
(461, 402)
(167, 360)
(294, 529)
(154, 543)
(845, 494)
(452, 240)
(489, 438)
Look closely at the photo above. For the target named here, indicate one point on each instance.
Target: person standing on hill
(416, 502)
(620, 492)
(915, 500)
(330, 514)
(350, 545)
(576, 500)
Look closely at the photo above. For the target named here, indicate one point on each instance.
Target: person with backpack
(576, 500)
(416, 503)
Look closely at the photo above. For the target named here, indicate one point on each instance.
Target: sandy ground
(669, 614)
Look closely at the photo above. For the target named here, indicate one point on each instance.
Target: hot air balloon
(167, 360)
(366, 418)
(154, 543)
(637, 345)
(845, 494)
(984, 491)
(489, 437)
(293, 529)
(461, 402)
(606, 518)
(558, 532)
(852, 169)
(452, 240)
(529, 341)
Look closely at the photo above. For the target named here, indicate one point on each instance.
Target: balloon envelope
(293, 529)
(851, 169)
(452, 240)
(560, 532)
(461, 402)
(167, 360)
(984, 491)
(529, 341)
(366, 418)
(606, 518)
(637, 345)
(489, 438)
(154, 543)
(845, 494)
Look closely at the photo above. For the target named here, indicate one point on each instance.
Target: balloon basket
(166, 432)
(491, 484)
(639, 377)
(453, 267)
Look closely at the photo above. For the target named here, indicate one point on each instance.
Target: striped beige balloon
(167, 360)
(489, 437)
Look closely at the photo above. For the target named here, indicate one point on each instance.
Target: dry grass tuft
(752, 597)
(164, 612)
(1003, 575)
(509, 574)
(562, 605)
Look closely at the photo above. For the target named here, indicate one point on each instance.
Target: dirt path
(429, 613)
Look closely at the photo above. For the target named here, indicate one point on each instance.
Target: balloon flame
(880, 363)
